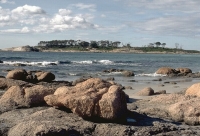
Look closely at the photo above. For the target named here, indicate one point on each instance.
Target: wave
(26, 63)
(151, 75)
(68, 62)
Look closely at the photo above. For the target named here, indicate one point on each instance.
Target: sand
(171, 85)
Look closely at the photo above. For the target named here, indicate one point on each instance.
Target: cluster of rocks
(33, 77)
(126, 73)
(171, 72)
(180, 107)
(89, 106)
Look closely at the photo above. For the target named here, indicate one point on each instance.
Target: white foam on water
(151, 75)
(106, 62)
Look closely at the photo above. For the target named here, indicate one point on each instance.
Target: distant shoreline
(115, 50)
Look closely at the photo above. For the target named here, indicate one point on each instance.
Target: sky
(138, 22)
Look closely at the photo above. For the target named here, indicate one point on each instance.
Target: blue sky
(138, 22)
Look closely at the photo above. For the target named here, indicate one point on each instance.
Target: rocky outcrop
(128, 73)
(187, 111)
(17, 97)
(91, 98)
(166, 71)
(146, 92)
(23, 49)
(45, 76)
(175, 72)
(32, 77)
(18, 74)
(184, 70)
(194, 90)
(7, 83)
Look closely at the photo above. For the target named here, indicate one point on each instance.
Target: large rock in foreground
(91, 98)
(187, 111)
(194, 90)
(17, 97)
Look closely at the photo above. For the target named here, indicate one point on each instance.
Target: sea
(69, 66)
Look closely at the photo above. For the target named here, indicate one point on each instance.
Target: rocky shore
(33, 103)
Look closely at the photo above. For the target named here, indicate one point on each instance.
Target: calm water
(70, 66)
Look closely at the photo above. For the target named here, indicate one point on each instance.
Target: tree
(150, 45)
(163, 45)
(157, 44)
(93, 44)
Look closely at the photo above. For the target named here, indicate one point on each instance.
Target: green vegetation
(106, 46)
(167, 50)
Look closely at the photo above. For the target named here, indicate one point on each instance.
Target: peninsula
(99, 46)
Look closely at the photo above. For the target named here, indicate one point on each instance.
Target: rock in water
(45, 76)
(18, 74)
(184, 70)
(91, 98)
(166, 71)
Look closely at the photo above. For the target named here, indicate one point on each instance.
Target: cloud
(3, 1)
(64, 20)
(6, 1)
(170, 25)
(166, 17)
(82, 6)
(20, 31)
(167, 5)
(27, 10)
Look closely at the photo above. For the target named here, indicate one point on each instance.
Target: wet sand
(171, 85)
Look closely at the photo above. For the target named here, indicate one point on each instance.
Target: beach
(43, 74)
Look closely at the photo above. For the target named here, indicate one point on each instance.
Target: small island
(100, 46)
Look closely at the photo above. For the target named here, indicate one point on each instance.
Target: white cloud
(3, 1)
(64, 12)
(6, 1)
(82, 6)
(27, 10)
(166, 5)
(172, 25)
(20, 31)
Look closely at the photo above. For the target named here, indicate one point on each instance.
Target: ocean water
(70, 66)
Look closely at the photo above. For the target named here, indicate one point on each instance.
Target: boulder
(128, 73)
(160, 92)
(184, 70)
(146, 92)
(194, 90)
(187, 111)
(166, 71)
(18, 74)
(45, 76)
(16, 96)
(7, 83)
(91, 98)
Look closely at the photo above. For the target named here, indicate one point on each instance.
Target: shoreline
(101, 51)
